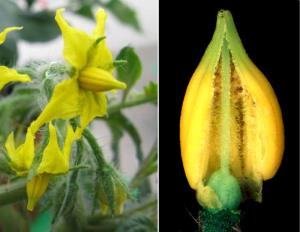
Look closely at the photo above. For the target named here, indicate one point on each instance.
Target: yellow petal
(101, 17)
(10, 75)
(35, 189)
(64, 104)
(98, 80)
(77, 43)
(4, 33)
(70, 137)
(195, 139)
(22, 157)
(99, 55)
(94, 106)
(53, 160)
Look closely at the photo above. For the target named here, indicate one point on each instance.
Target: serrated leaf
(130, 72)
(124, 13)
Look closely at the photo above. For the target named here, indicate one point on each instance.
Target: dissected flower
(231, 129)
(8, 75)
(82, 94)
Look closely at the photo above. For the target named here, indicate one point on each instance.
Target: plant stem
(146, 205)
(134, 101)
(12, 192)
(148, 167)
(95, 147)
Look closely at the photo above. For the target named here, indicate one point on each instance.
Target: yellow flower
(231, 129)
(82, 94)
(10, 75)
(21, 157)
(54, 161)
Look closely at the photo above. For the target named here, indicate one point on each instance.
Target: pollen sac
(98, 80)
(230, 121)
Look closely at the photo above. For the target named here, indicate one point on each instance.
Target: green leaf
(9, 52)
(117, 134)
(120, 121)
(123, 123)
(85, 10)
(124, 13)
(151, 90)
(130, 72)
(148, 167)
(38, 27)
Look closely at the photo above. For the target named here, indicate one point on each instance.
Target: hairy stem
(12, 192)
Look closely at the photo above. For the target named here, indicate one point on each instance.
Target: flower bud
(98, 80)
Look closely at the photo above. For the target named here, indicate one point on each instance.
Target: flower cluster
(80, 95)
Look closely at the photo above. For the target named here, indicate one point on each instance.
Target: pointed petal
(64, 104)
(70, 137)
(53, 160)
(26, 150)
(76, 42)
(94, 106)
(101, 17)
(100, 56)
(4, 33)
(10, 75)
(10, 146)
(22, 157)
(35, 189)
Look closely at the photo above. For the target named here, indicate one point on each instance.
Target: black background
(270, 35)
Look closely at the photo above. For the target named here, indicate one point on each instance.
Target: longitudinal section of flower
(231, 129)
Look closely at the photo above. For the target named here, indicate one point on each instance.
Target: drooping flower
(10, 75)
(54, 161)
(231, 129)
(82, 94)
(21, 157)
